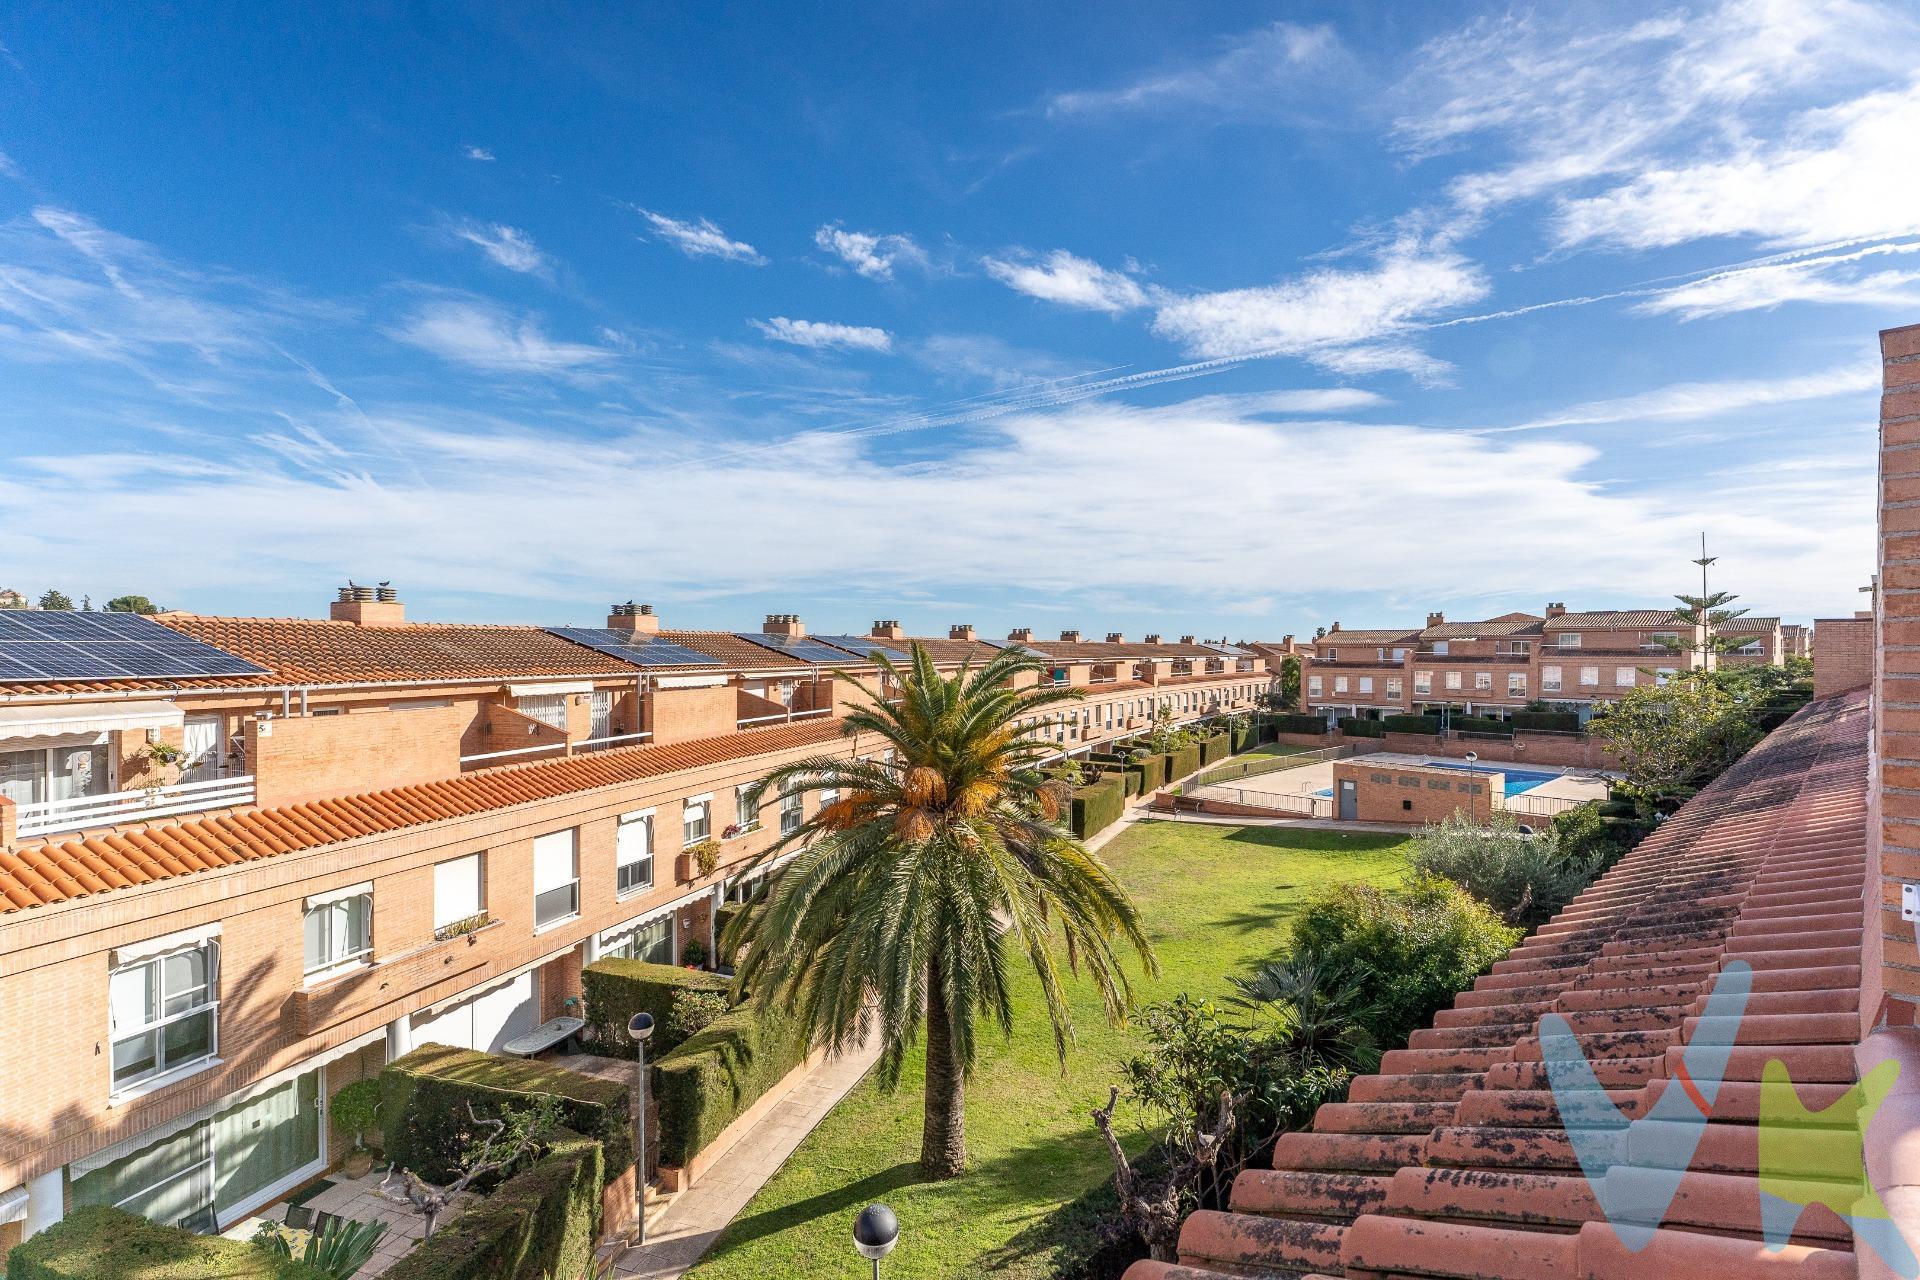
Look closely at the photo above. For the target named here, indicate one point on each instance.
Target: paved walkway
(678, 1238)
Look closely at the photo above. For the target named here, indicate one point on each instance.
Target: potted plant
(356, 1109)
(694, 954)
(699, 860)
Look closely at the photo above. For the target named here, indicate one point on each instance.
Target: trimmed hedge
(539, 1224)
(1183, 761)
(1153, 772)
(1298, 724)
(1216, 748)
(615, 990)
(1098, 807)
(1411, 724)
(722, 917)
(1354, 727)
(1482, 724)
(424, 1097)
(102, 1243)
(706, 1083)
(1547, 721)
(1247, 735)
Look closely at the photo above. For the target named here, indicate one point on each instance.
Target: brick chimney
(1070, 637)
(961, 631)
(888, 629)
(1286, 642)
(1555, 609)
(1435, 619)
(1114, 637)
(1335, 627)
(1154, 638)
(639, 619)
(368, 606)
(1021, 635)
(785, 624)
(1186, 639)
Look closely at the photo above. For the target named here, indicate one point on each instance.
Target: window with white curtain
(696, 819)
(633, 853)
(459, 890)
(339, 929)
(556, 877)
(164, 1013)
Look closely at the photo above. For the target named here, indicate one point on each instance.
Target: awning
(548, 688)
(87, 717)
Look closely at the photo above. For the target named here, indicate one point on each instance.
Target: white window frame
(1339, 684)
(1394, 686)
(1453, 682)
(745, 816)
(165, 1072)
(633, 847)
(332, 917)
(1422, 683)
(696, 819)
(1550, 679)
(1483, 681)
(792, 812)
(572, 836)
(549, 709)
(1314, 687)
(443, 916)
(1366, 685)
(1589, 677)
(1516, 684)
(1568, 640)
(1625, 677)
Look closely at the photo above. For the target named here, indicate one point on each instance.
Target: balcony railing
(784, 717)
(585, 744)
(42, 816)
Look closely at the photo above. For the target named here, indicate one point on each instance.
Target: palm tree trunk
(943, 1139)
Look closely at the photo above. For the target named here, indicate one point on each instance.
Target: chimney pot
(1021, 635)
(1114, 637)
(889, 629)
(1435, 619)
(1154, 638)
(960, 631)
(638, 619)
(1186, 639)
(368, 606)
(1556, 608)
(1071, 637)
(785, 624)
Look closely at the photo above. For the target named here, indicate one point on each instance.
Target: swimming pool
(1517, 780)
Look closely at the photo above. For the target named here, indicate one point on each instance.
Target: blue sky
(1225, 318)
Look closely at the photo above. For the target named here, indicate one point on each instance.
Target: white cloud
(476, 153)
(483, 336)
(1686, 401)
(505, 246)
(818, 333)
(871, 255)
(1766, 287)
(1070, 281)
(1263, 63)
(700, 238)
(1345, 320)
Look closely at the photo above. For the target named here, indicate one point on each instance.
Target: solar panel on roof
(50, 644)
(805, 648)
(640, 650)
(862, 647)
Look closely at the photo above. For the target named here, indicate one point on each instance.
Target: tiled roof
(1454, 1161)
(731, 649)
(310, 651)
(1750, 626)
(1338, 638)
(60, 868)
(944, 650)
(1602, 619)
(1521, 624)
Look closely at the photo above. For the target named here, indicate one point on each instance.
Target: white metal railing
(41, 816)
(1539, 806)
(1307, 806)
(784, 717)
(585, 744)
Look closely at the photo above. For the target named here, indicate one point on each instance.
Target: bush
(1299, 724)
(1132, 780)
(1246, 736)
(1411, 724)
(538, 1224)
(1483, 724)
(1215, 748)
(1153, 772)
(694, 954)
(1547, 721)
(1098, 807)
(1354, 727)
(1527, 879)
(722, 917)
(1185, 761)
(694, 1011)
(424, 1097)
(100, 1243)
(617, 989)
(703, 1085)
(356, 1108)
(1600, 832)
(1412, 949)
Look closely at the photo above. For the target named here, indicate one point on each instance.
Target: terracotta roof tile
(60, 868)
(1603, 619)
(1377, 637)
(1453, 1161)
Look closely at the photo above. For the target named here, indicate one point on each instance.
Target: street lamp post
(640, 1028)
(875, 1232)
(1473, 758)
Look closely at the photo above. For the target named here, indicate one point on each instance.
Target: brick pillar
(9, 822)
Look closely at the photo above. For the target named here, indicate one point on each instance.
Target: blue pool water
(1517, 780)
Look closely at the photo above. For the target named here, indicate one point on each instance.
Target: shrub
(100, 1243)
(1482, 724)
(356, 1108)
(617, 989)
(703, 1085)
(1525, 878)
(538, 1224)
(1354, 727)
(1098, 807)
(1600, 832)
(1185, 761)
(424, 1098)
(1153, 772)
(1299, 724)
(694, 1010)
(1246, 735)
(1547, 721)
(1411, 724)
(722, 917)
(1412, 949)
(694, 954)
(1215, 748)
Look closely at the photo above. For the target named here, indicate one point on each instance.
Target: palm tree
(924, 875)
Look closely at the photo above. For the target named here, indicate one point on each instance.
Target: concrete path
(678, 1237)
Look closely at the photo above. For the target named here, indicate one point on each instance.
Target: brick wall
(314, 757)
(1565, 751)
(1843, 649)
(684, 714)
(1890, 967)
(1409, 793)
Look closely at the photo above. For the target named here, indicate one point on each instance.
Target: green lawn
(1216, 900)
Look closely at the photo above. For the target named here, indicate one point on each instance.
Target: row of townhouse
(225, 895)
(1570, 661)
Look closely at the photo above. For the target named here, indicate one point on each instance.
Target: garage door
(486, 1021)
